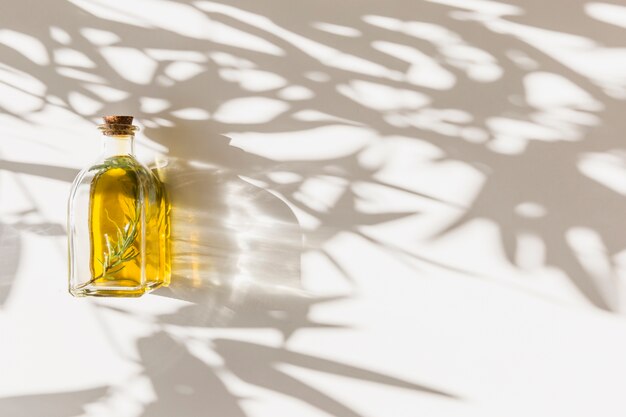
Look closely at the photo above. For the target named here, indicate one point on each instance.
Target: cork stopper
(116, 125)
(118, 120)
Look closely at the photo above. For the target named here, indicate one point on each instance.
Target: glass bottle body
(118, 226)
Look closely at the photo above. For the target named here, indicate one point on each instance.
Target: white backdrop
(381, 208)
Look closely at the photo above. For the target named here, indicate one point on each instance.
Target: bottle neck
(116, 145)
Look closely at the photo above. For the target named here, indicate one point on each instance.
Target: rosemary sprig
(120, 251)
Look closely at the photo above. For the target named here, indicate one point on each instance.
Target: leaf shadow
(246, 273)
(62, 404)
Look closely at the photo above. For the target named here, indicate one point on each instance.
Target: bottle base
(93, 290)
(99, 292)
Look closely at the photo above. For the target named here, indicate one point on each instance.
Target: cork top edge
(118, 120)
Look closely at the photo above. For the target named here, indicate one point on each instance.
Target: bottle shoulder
(122, 162)
(120, 167)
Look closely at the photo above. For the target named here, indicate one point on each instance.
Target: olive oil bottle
(118, 222)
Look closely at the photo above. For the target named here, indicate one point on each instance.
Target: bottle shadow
(231, 242)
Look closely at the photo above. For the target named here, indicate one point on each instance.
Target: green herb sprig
(120, 251)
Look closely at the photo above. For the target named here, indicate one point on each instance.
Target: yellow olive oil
(126, 258)
(115, 230)
(158, 268)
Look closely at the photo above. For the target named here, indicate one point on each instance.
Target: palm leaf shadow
(260, 365)
(184, 385)
(63, 404)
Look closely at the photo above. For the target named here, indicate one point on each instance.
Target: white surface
(456, 169)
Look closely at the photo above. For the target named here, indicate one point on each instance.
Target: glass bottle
(118, 221)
